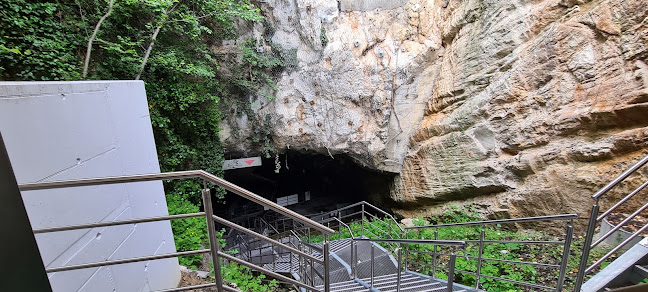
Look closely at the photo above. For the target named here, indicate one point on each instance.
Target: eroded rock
(519, 108)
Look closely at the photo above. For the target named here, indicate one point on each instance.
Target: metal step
(641, 270)
(346, 286)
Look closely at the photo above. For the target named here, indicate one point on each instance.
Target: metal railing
(595, 219)
(482, 225)
(214, 249)
(451, 261)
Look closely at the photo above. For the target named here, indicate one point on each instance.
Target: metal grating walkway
(385, 270)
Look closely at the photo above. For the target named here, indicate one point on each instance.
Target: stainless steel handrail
(264, 238)
(610, 253)
(501, 221)
(125, 261)
(266, 223)
(562, 266)
(372, 206)
(266, 271)
(606, 235)
(594, 219)
(620, 178)
(116, 223)
(208, 213)
(387, 214)
(458, 243)
(451, 262)
(626, 198)
(347, 227)
(179, 175)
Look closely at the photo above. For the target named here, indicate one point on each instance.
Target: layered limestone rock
(520, 108)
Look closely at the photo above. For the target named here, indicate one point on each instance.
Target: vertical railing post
(398, 276)
(353, 258)
(211, 232)
(586, 247)
(372, 265)
(434, 254)
(327, 276)
(312, 273)
(563, 265)
(362, 221)
(406, 248)
(479, 258)
(340, 224)
(451, 268)
(302, 270)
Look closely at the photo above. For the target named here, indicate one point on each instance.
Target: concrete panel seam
(122, 243)
(78, 164)
(16, 97)
(125, 204)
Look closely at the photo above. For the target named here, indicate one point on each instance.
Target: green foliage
(36, 44)
(323, 37)
(245, 280)
(188, 233)
(255, 73)
(46, 40)
(253, 78)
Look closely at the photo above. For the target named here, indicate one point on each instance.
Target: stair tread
(641, 270)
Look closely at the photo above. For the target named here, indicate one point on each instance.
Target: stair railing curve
(214, 249)
(595, 219)
(451, 261)
(561, 266)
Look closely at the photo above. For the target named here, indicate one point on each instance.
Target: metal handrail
(594, 219)
(610, 253)
(387, 214)
(266, 223)
(500, 221)
(457, 243)
(562, 265)
(264, 238)
(116, 223)
(626, 198)
(179, 175)
(125, 261)
(451, 262)
(620, 178)
(606, 235)
(347, 227)
(214, 247)
(266, 271)
(370, 205)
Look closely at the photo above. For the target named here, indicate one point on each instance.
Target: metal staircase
(377, 254)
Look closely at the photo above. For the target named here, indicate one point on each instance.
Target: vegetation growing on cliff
(166, 43)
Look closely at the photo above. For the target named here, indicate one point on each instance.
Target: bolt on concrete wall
(72, 130)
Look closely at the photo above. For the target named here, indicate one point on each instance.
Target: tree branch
(92, 38)
(153, 37)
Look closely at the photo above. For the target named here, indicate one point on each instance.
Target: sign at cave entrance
(242, 163)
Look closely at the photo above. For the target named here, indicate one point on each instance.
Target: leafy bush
(35, 44)
(245, 280)
(188, 233)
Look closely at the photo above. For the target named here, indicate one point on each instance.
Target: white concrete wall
(71, 130)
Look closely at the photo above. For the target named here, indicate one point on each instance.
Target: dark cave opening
(318, 183)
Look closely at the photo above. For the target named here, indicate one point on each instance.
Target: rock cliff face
(521, 108)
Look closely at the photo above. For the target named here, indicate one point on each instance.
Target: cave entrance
(307, 183)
